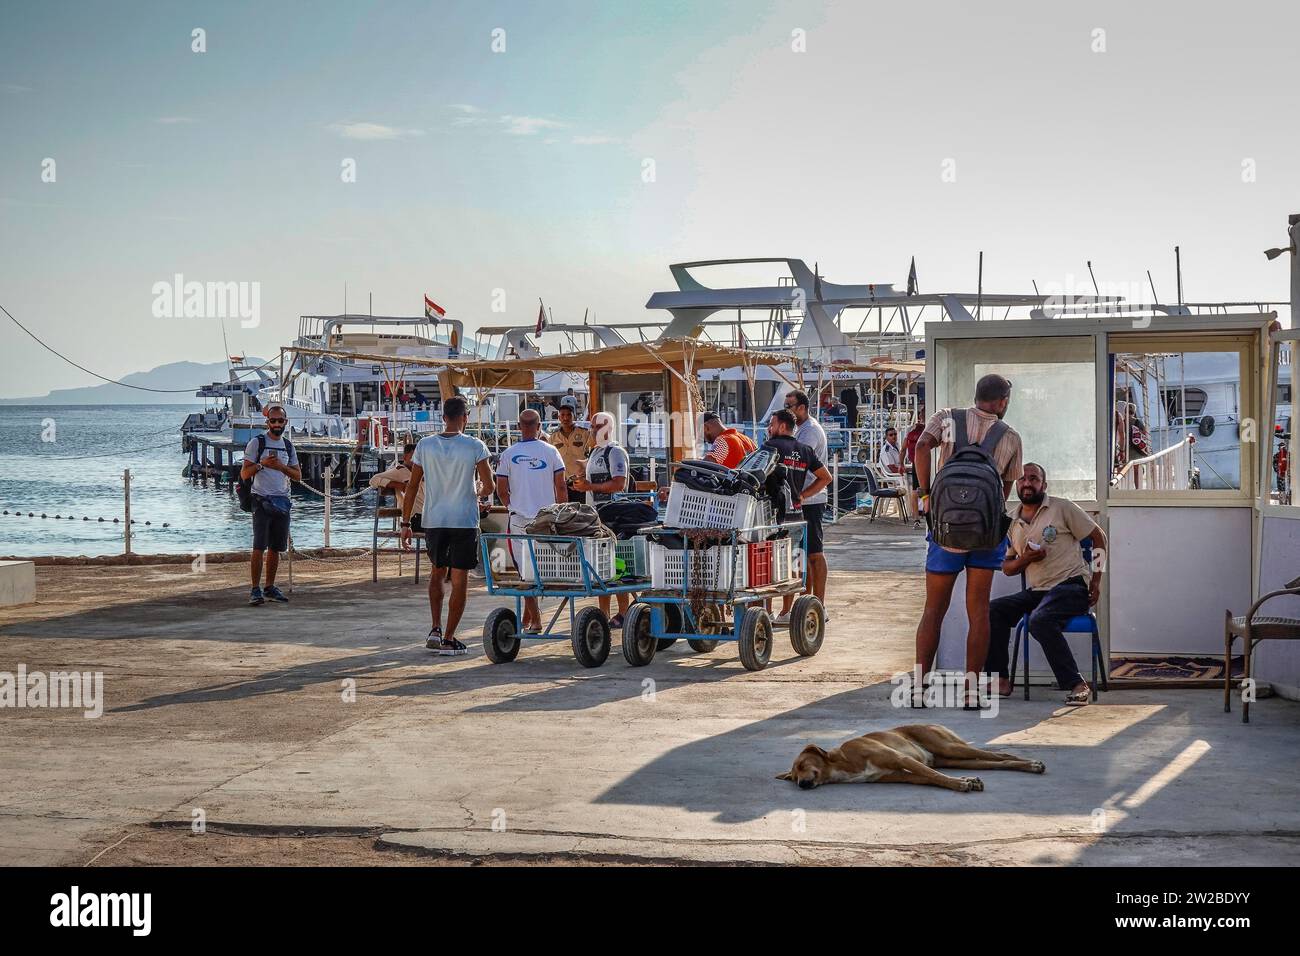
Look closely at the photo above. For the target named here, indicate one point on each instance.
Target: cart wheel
(675, 623)
(709, 622)
(499, 640)
(590, 638)
(639, 644)
(755, 638)
(807, 625)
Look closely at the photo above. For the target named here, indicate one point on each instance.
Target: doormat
(1170, 668)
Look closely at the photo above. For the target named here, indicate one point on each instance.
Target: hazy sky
(522, 170)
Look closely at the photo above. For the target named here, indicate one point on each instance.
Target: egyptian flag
(911, 278)
(432, 310)
(541, 316)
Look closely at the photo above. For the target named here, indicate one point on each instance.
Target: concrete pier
(322, 731)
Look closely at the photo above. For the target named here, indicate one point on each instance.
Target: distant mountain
(183, 375)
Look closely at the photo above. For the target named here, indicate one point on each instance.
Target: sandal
(1079, 698)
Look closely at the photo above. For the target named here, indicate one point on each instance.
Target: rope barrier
(60, 517)
(334, 497)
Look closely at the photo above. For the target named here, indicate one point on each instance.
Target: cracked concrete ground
(324, 732)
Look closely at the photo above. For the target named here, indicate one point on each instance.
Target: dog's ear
(817, 750)
(784, 776)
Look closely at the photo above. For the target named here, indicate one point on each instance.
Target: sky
(505, 148)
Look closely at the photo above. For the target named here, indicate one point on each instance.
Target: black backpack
(967, 506)
(244, 486)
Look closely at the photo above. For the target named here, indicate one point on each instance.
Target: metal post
(126, 528)
(329, 478)
(835, 487)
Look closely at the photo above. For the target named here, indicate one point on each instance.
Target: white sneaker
(781, 620)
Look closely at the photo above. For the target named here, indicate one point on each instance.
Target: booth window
(1179, 423)
(1053, 399)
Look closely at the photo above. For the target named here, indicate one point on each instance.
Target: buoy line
(62, 517)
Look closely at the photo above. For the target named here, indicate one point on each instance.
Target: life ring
(1206, 427)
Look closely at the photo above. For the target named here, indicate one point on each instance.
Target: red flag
(541, 316)
(432, 310)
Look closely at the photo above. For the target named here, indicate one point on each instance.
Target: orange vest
(738, 446)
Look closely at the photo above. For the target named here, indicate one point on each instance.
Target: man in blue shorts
(942, 565)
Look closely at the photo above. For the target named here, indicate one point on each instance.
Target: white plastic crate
(688, 508)
(783, 566)
(560, 562)
(668, 567)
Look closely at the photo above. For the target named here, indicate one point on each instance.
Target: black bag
(967, 507)
(626, 518)
(244, 486)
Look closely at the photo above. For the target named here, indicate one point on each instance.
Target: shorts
(270, 528)
(452, 548)
(916, 485)
(939, 561)
(813, 514)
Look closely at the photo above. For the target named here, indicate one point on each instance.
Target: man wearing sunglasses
(271, 462)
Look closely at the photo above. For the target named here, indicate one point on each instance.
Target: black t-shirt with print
(799, 459)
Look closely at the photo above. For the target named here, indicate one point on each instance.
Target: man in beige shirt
(1045, 535)
(574, 444)
(942, 565)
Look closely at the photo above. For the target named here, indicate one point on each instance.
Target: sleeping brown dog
(902, 755)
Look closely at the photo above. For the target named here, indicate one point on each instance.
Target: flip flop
(1079, 698)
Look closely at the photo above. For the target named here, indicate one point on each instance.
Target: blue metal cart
(659, 617)
(588, 627)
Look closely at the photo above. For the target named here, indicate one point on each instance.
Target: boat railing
(1168, 470)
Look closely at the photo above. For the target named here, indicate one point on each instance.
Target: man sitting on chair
(1045, 535)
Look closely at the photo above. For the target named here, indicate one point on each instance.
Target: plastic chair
(880, 494)
(1079, 624)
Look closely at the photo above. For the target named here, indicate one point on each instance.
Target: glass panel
(1053, 399)
(1177, 421)
(1283, 448)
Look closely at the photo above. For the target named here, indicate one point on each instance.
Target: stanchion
(126, 526)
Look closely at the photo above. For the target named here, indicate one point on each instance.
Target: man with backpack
(965, 506)
(270, 466)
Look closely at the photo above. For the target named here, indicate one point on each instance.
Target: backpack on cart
(967, 506)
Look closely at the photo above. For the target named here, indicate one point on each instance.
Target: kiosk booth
(1162, 427)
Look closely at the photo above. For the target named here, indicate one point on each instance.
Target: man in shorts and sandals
(530, 476)
(272, 464)
(458, 479)
(942, 565)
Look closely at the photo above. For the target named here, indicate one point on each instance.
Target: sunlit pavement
(329, 713)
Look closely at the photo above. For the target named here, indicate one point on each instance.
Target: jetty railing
(1167, 470)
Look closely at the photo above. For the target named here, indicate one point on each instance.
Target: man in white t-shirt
(530, 476)
(891, 456)
(459, 485)
(810, 433)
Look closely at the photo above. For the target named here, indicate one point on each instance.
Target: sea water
(67, 460)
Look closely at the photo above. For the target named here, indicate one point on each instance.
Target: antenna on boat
(1035, 282)
(1178, 269)
(345, 298)
(979, 292)
(1151, 282)
(1094, 280)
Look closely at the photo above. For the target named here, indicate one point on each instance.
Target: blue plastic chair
(1079, 624)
